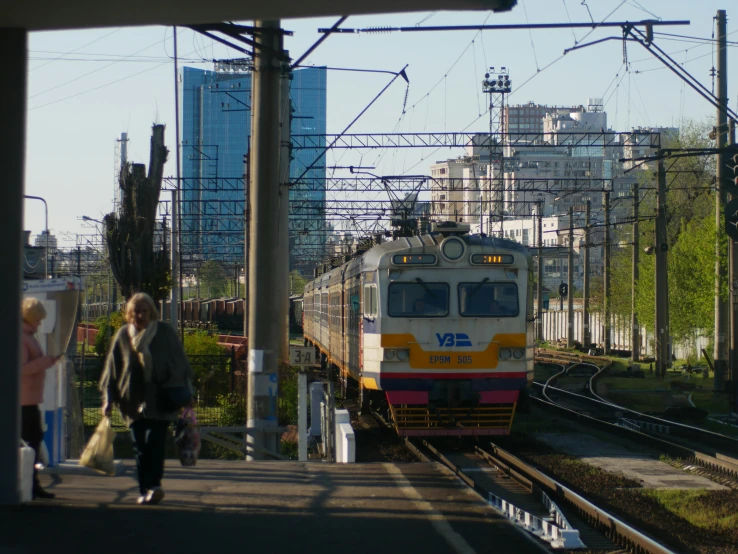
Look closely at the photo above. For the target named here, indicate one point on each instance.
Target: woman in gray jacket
(145, 374)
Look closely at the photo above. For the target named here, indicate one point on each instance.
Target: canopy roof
(44, 15)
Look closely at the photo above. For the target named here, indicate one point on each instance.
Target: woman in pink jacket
(33, 375)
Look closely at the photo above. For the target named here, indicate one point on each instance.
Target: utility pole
(586, 332)
(264, 324)
(570, 283)
(282, 277)
(661, 333)
(606, 272)
(539, 284)
(174, 298)
(722, 319)
(733, 267)
(635, 338)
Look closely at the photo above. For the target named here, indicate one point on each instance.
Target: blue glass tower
(215, 123)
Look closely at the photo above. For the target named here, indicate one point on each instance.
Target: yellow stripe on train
(458, 359)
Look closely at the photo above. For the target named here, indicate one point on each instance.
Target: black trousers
(33, 434)
(149, 442)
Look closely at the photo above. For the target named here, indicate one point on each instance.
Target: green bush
(288, 398)
(106, 330)
(200, 343)
(232, 410)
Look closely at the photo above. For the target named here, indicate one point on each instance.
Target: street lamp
(46, 211)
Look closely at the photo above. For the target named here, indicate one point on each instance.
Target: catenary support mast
(264, 325)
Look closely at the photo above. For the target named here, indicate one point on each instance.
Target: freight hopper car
(436, 329)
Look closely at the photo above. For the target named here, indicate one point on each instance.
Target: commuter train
(436, 329)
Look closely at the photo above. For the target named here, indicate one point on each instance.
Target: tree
(297, 282)
(136, 264)
(214, 281)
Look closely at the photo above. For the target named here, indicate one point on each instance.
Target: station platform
(263, 506)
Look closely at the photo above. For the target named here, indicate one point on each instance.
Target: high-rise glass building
(215, 123)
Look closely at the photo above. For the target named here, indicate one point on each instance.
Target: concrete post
(661, 333)
(733, 280)
(586, 332)
(264, 325)
(570, 284)
(302, 430)
(722, 320)
(539, 284)
(174, 298)
(635, 336)
(606, 273)
(283, 276)
(13, 44)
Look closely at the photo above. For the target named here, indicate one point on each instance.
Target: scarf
(140, 340)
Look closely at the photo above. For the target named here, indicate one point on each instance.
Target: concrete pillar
(13, 45)
(264, 326)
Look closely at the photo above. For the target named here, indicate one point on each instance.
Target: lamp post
(46, 212)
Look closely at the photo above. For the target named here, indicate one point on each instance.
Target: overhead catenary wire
(90, 72)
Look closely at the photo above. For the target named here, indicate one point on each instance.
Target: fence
(555, 324)
(216, 377)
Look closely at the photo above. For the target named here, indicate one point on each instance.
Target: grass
(544, 372)
(708, 400)
(700, 508)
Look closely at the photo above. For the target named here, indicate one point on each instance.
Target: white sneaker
(155, 495)
(142, 500)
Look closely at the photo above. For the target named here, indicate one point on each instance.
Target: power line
(63, 54)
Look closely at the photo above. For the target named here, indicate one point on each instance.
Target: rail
(616, 530)
(647, 422)
(554, 529)
(718, 463)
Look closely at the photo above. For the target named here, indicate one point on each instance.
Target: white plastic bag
(27, 456)
(98, 454)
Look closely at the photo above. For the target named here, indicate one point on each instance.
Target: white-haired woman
(33, 374)
(145, 374)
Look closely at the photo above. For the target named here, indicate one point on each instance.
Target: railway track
(536, 502)
(697, 450)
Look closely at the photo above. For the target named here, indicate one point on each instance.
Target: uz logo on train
(452, 339)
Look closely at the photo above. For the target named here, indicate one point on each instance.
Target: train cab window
(488, 299)
(370, 301)
(418, 299)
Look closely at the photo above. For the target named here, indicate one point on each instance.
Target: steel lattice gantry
(646, 139)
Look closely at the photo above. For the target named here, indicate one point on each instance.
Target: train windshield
(488, 299)
(418, 299)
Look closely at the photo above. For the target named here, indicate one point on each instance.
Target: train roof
(373, 256)
(369, 260)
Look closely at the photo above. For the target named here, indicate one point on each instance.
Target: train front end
(451, 345)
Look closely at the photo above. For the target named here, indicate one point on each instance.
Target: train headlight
(505, 353)
(518, 353)
(452, 248)
(389, 355)
(403, 355)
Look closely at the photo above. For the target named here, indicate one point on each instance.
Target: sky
(87, 87)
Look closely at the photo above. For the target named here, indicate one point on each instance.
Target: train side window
(370, 301)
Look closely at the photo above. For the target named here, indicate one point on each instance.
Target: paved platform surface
(221, 506)
(649, 471)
